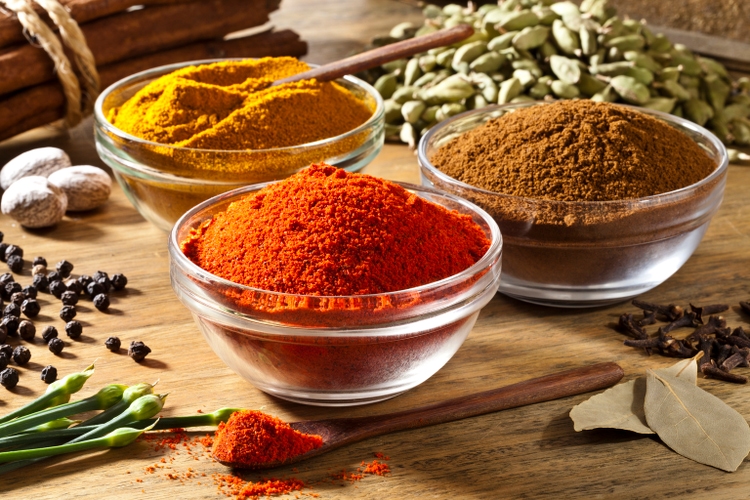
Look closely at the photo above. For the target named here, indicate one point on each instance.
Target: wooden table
(529, 452)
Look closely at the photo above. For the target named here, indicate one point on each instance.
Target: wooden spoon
(381, 55)
(342, 431)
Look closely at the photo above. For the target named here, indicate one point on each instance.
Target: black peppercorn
(3, 247)
(38, 270)
(67, 313)
(138, 350)
(93, 289)
(64, 268)
(73, 329)
(55, 345)
(29, 291)
(18, 298)
(13, 250)
(10, 288)
(101, 302)
(84, 280)
(54, 276)
(69, 298)
(7, 350)
(21, 355)
(105, 283)
(12, 309)
(118, 281)
(3, 334)
(49, 333)
(99, 274)
(49, 374)
(15, 263)
(40, 281)
(2, 236)
(112, 343)
(6, 278)
(39, 261)
(9, 378)
(3, 361)
(74, 286)
(26, 330)
(30, 307)
(11, 325)
(57, 288)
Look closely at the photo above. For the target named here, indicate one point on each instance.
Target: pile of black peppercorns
(16, 300)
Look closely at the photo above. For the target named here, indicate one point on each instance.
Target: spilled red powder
(270, 487)
(253, 438)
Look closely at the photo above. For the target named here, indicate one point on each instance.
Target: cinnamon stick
(81, 11)
(131, 34)
(44, 103)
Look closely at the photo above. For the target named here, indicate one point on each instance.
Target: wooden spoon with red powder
(269, 442)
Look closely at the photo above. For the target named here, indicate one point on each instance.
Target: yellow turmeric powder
(230, 105)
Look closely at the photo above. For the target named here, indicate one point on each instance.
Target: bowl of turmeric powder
(597, 202)
(335, 288)
(177, 135)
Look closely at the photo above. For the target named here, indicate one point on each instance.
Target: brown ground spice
(575, 150)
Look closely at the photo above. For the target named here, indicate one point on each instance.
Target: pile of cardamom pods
(526, 50)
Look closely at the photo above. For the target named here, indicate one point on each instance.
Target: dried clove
(717, 373)
(724, 352)
(649, 318)
(671, 311)
(688, 319)
(740, 332)
(629, 327)
(707, 310)
(736, 340)
(644, 343)
(713, 326)
(733, 361)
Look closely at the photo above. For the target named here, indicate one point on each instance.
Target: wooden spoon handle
(546, 388)
(381, 55)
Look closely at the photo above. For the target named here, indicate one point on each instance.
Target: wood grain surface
(526, 452)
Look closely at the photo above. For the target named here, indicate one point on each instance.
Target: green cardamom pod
(740, 99)
(476, 101)
(598, 58)
(486, 85)
(668, 74)
(392, 111)
(427, 62)
(531, 37)
(425, 79)
(564, 90)
(589, 45)
(431, 11)
(589, 85)
(721, 130)
(492, 18)
(522, 98)
(467, 53)
(687, 62)
(642, 60)
(689, 81)
(612, 69)
(488, 62)
(453, 89)
(741, 131)
(630, 89)
(396, 66)
(403, 94)
(734, 111)
(606, 95)
(386, 85)
(743, 84)
(664, 104)
(712, 66)
(408, 135)
(717, 91)
(517, 20)
(502, 41)
(565, 69)
(614, 54)
(509, 89)
(428, 116)
(525, 77)
(453, 9)
(697, 111)
(540, 89)
(528, 64)
(547, 50)
(448, 110)
(677, 111)
(412, 111)
(426, 29)
(412, 72)
(566, 8)
(391, 131)
(598, 9)
(633, 26)
(403, 30)
(567, 41)
(643, 75)
(445, 59)
(545, 14)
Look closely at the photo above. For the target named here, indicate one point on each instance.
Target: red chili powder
(270, 487)
(252, 438)
(327, 232)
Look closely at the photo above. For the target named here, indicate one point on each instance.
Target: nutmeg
(86, 186)
(38, 161)
(34, 202)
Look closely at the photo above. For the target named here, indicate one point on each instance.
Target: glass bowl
(593, 253)
(163, 182)
(335, 351)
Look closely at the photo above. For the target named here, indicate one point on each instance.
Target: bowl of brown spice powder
(597, 202)
(177, 135)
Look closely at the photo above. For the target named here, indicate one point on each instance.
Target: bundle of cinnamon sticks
(127, 36)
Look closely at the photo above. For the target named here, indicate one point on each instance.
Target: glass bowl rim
(655, 199)
(168, 68)
(192, 269)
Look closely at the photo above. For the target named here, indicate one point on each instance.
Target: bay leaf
(695, 423)
(621, 407)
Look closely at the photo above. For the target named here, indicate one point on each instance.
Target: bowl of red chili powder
(335, 288)
(597, 202)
